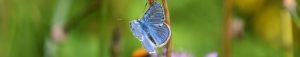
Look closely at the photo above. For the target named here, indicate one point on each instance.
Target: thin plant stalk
(227, 35)
(167, 18)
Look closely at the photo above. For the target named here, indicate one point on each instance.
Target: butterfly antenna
(122, 19)
(145, 6)
(143, 10)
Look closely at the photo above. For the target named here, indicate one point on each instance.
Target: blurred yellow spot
(248, 6)
(267, 24)
(287, 33)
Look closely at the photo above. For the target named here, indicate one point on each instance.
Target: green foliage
(197, 26)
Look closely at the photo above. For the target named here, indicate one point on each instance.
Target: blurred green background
(100, 28)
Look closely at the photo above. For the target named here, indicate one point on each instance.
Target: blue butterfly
(151, 30)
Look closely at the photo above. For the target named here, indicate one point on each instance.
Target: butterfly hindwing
(160, 34)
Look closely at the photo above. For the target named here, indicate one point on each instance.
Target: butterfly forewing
(137, 30)
(154, 15)
(149, 45)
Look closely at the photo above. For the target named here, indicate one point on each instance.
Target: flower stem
(167, 18)
(227, 35)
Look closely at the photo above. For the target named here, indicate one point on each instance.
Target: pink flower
(212, 54)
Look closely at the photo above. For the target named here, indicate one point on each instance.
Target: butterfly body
(151, 30)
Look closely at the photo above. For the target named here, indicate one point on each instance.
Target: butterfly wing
(151, 29)
(154, 15)
(154, 20)
(137, 30)
(160, 34)
(149, 45)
